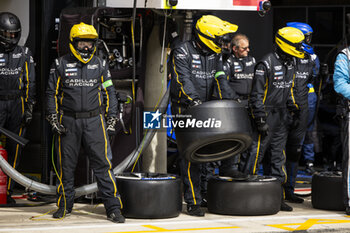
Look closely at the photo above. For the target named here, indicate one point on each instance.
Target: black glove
(262, 126)
(57, 127)
(195, 102)
(28, 114)
(111, 123)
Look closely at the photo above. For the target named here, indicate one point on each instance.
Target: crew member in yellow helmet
(193, 66)
(290, 41)
(82, 41)
(211, 31)
(270, 99)
(82, 110)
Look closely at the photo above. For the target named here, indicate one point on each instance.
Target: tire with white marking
(327, 191)
(150, 195)
(257, 195)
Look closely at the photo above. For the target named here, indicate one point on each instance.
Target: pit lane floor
(90, 218)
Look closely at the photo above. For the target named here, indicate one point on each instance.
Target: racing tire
(257, 195)
(150, 195)
(220, 129)
(327, 191)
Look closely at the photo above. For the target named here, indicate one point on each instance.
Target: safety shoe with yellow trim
(61, 212)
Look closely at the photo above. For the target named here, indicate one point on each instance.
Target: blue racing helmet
(308, 49)
(307, 31)
(304, 27)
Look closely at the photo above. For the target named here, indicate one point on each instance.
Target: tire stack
(327, 192)
(257, 195)
(150, 195)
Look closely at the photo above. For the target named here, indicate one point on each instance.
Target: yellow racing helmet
(210, 30)
(83, 32)
(289, 40)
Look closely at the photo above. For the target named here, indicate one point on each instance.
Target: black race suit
(239, 74)
(17, 91)
(269, 98)
(297, 125)
(192, 78)
(77, 92)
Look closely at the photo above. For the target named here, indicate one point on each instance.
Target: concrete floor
(89, 218)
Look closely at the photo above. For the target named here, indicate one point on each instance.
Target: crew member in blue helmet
(305, 96)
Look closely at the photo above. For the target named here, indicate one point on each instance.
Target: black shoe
(195, 210)
(116, 216)
(310, 168)
(204, 203)
(293, 198)
(285, 207)
(10, 200)
(347, 210)
(61, 213)
(233, 173)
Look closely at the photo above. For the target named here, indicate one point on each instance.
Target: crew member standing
(297, 124)
(269, 99)
(240, 72)
(341, 78)
(17, 87)
(82, 109)
(192, 82)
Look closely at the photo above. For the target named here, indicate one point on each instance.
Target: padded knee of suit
(258, 195)
(213, 131)
(150, 195)
(293, 152)
(327, 191)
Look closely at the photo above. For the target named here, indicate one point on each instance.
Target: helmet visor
(299, 46)
(85, 47)
(82, 44)
(224, 40)
(308, 38)
(9, 35)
